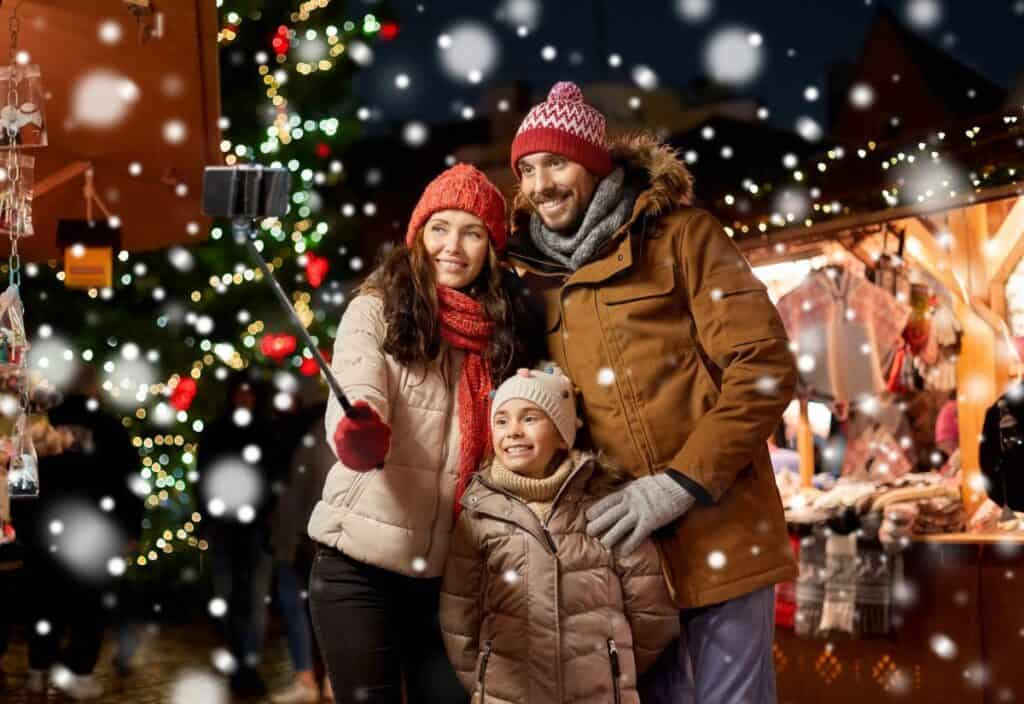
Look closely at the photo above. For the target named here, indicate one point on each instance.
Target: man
(684, 370)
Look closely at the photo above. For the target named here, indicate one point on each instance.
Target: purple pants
(724, 656)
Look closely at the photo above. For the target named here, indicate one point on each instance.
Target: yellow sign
(88, 267)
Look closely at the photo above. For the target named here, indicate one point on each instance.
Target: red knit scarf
(464, 325)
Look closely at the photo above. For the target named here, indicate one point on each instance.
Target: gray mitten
(635, 511)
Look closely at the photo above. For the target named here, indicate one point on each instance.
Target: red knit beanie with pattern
(462, 187)
(564, 124)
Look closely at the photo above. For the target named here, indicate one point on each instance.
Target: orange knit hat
(462, 187)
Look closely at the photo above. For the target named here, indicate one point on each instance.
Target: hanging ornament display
(13, 341)
(16, 182)
(21, 117)
(22, 126)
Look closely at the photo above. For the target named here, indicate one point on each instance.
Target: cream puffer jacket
(539, 612)
(400, 517)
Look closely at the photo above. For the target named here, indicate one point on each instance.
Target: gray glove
(637, 510)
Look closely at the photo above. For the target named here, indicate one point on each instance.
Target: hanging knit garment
(464, 326)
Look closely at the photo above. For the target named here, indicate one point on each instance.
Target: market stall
(904, 320)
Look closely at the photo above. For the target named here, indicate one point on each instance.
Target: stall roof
(120, 103)
(848, 187)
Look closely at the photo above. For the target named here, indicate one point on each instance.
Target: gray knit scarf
(609, 210)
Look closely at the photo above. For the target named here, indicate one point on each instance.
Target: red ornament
(316, 269)
(183, 394)
(388, 31)
(280, 42)
(310, 367)
(323, 150)
(277, 347)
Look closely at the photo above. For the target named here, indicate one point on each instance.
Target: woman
(417, 353)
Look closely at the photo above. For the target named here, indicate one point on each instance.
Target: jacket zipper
(613, 657)
(483, 670)
(444, 459)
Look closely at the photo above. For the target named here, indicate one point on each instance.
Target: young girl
(417, 352)
(533, 610)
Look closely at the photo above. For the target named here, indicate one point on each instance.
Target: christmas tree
(176, 323)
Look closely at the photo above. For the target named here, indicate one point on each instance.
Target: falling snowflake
(510, 576)
(468, 47)
(645, 77)
(252, 454)
(101, 99)
(415, 134)
(694, 11)
(360, 53)
(232, 484)
(767, 385)
(792, 202)
(809, 129)
(924, 14)
(110, 32)
(522, 14)
(716, 559)
(116, 566)
(175, 131)
(606, 376)
(549, 53)
(943, 646)
(192, 686)
(419, 564)
(862, 96)
(805, 363)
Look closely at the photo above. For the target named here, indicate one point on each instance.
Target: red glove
(362, 439)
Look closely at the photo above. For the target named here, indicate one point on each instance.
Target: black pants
(69, 606)
(377, 630)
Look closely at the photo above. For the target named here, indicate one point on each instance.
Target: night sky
(800, 39)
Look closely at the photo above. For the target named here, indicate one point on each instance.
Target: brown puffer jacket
(539, 612)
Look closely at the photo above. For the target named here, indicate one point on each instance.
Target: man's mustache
(550, 194)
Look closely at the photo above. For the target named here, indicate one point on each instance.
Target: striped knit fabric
(564, 124)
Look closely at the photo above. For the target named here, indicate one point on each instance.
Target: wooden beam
(60, 177)
(1006, 247)
(827, 228)
(970, 235)
(924, 249)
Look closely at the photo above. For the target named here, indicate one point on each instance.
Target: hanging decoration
(21, 126)
(316, 269)
(276, 346)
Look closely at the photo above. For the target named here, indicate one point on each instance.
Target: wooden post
(977, 368)
(805, 444)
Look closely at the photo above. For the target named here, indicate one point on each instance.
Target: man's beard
(554, 195)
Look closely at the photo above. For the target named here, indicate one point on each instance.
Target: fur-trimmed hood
(667, 183)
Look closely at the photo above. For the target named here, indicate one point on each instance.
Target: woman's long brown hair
(407, 283)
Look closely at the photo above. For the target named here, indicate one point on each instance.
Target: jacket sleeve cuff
(699, 492)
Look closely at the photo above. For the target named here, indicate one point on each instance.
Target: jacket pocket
(661, 281)
(481, 672)
(613, 661)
